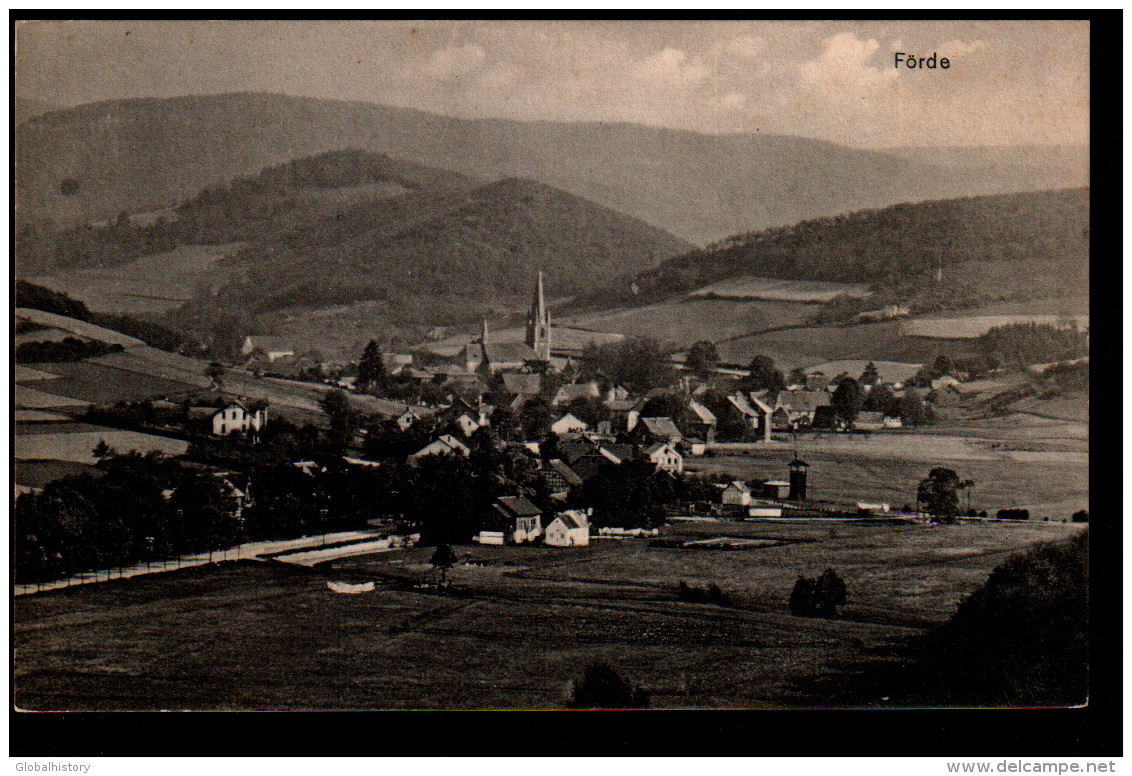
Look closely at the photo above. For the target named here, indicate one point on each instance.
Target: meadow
(528, 620)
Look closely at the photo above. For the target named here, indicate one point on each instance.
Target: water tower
(798, 469)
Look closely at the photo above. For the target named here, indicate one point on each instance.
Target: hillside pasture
(260, 636)
(77, 446)
(156, 283)
(751, 288)
(80, 328)
(889, 371)
(100, 384)
(973, 326)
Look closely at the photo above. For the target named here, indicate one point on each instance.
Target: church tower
(538, 323)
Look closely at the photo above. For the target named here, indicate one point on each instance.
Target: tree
(371, 368)
(829, 593)
(847, 399)
(881, 399)
(443, 559)
(636, 363)
(343, 418)
(702, 358)
(911, 408)
(939, 492)
(764, 375)
(797, 376)
(802, 597)
(602, 688)
(870, 375)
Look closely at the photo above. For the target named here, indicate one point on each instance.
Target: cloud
(450, 63)
(671, 67)
(843, 71)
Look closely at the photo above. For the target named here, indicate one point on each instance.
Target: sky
(1009, 83)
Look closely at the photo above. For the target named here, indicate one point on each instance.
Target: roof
(519, 506)
(657, 446)
(870, 417)
(561, 467)
(509, 352)
(621, 405)
(740, 486)
(661, 427)
(571, 420)
(802, 401)
(704, 414)
(516, 382)
(739, 402)
(568, 521)
(568, 393)
(269, 343)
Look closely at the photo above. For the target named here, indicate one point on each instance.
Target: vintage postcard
(551, 365)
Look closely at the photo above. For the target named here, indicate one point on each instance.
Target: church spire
(538, 322)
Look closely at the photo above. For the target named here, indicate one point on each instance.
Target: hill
(90, 162)
(993, 248)
(484, 247)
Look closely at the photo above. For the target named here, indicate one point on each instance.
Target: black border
(1091, 731)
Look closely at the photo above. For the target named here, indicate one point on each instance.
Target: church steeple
(538, 323)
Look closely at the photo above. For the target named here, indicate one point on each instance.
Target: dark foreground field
(269, 636)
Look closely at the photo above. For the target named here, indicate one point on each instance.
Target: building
(231, 418)
(445, 445)
(700, 421)
(538, 324)
(798, 470)
(271, 348)
(737, 493)
(568, 424)
(568, 529)
(559, 477)
(649, 430)
(522, 384)
(568, 393)
(518, 519)
(776, 489)
(869, 421)
(754, 412)
(666, 457)
(801, 405)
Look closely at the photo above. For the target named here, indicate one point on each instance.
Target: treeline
(1022, 344)
(886, 247)
(70, 349)
(37, 297)
(1022, 639)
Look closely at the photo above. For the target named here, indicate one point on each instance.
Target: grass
(269, 636)
(776, 289)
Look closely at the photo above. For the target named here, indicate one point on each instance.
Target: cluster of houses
(516, 520)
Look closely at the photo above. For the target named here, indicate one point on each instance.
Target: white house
(568, 529)
(407, 418)
(234, 417)
(468, 425)
(737, 493)
(665, 456)
(445, 445)
(567, 424)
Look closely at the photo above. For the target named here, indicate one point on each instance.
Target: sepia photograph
(550, 365)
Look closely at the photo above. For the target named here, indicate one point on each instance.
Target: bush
(603, 688)
(1081, 516)
(818, 598)
(70, 349)
(1013, 514)
(709, 595)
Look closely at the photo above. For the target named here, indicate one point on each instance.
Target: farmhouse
(233, 417)
(801, 405)
(737, 493)
(649, 430)
(568, 393)
(568, 529)
(518, 519)
(559, 477)
(666, 457)
(445, 445)
(701, 421)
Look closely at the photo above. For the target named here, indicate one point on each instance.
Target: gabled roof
(739, 402)
(620, 452)
(740, 486)
(654, 447)
(568, 393)
(663, 427)
(567, 521)
(571, 420)
(702, 412)
(568, 474)
(509, 352)
(621, 405)
(528, 384)
(802, 401)
(518, 506)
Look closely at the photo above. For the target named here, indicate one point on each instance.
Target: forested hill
(90, 162)
(482, 247)
(1038, 238)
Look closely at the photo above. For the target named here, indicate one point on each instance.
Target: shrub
(603, 688)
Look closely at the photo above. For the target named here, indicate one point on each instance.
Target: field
(972, 326)
(151, 284)
(775, 289)
(269, 636)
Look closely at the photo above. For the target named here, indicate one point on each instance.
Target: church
(533, 354)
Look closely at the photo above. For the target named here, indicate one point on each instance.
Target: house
(445, 445)
(271, 348)
(518, 519)
(700, 421)
(649, 430)
(737, 493)
(801, 405)
(753, 411)
(666, 457)
(620, 413)
(407, 418)
(395, 363)
(231, 418)
(467, 424)
(559, 477)
(776, 489)
(568, 393)
(816, 381)
(568, 529)
(869, 421)
(893, 422)
(568, 424)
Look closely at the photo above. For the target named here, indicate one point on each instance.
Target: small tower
(538, 323)
(798, 469)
